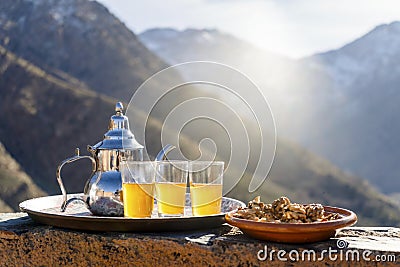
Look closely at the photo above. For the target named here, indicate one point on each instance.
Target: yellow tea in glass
(138, 200)
(138, 188)
(171, 179)
(206, 198)
(206, 187)
(171, 198)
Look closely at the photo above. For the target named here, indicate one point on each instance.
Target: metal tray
(46, 210)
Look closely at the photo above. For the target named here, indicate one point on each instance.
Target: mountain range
(64, 64)
(361, 112)
(68, 41)
(341, 104)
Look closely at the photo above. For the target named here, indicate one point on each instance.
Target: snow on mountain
(377, 50)
(48, 32)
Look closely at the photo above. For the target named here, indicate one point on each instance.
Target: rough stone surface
(26, 243)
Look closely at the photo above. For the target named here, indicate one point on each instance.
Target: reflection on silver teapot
(102, 192)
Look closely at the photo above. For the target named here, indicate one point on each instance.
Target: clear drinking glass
(171, 181)
(206, 186)
(138, 188)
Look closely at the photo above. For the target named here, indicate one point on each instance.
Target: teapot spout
(162, 155)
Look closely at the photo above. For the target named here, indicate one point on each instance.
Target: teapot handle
(58, 174)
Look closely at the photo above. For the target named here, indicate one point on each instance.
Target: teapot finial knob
(119, 107)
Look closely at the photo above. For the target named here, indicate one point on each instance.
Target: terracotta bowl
(294, 232)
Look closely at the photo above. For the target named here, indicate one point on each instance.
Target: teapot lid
(119, 135)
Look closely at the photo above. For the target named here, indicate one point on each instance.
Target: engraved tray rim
(36, 209)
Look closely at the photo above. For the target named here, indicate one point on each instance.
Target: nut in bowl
(286, 222)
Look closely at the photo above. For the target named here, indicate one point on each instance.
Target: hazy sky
(291, 27)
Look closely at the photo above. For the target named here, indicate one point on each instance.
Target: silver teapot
(102, 192)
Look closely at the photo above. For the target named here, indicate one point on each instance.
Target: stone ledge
(26, 243)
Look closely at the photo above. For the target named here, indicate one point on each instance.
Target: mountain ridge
(368, 101)
(355, 57)
(72, 30)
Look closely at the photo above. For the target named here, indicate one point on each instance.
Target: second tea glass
(170, 186)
